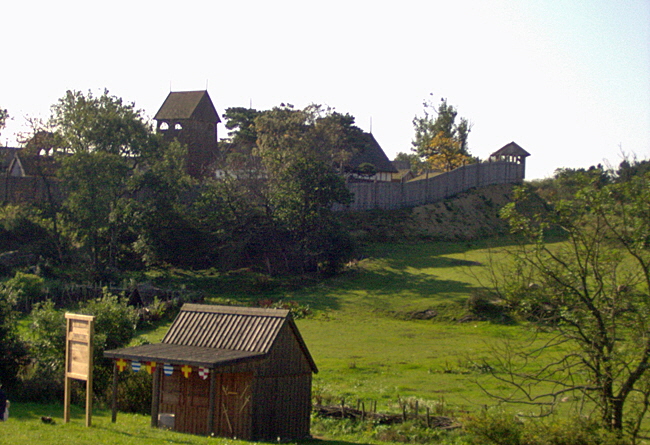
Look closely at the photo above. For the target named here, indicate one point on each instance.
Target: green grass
(360, 335)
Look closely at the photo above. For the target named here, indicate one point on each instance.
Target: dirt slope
(470, 215)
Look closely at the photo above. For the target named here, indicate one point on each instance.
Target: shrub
(29, 289)
(485, 306)
(500, 428)
(114, 328)
(13, 352)
(496, 427)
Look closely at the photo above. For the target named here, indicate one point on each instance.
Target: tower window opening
(178, 126)
(164, 126)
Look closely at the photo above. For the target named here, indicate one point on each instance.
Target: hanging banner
(121, 364)
(168, 369)
(186, 370)
(203, 373)
(151, 367)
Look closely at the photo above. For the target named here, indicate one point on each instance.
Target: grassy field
(361, 334)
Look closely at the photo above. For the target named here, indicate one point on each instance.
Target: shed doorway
(188, 399)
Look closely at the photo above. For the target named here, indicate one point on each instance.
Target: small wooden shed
(228, 371)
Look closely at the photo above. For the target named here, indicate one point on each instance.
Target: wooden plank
(212, 404)
(155, 397)
(114, 395)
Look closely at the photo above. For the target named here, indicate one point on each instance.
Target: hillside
(468, 216)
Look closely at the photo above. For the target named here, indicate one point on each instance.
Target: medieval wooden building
(228, 371)
(372, 155)
(190, 117)
(511, 152)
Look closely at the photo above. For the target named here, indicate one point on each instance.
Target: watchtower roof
(195, 105)
(511, 149)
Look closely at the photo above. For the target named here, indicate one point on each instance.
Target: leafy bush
(133, 392)
(114, 328)
(29, 289)
(500, 428)
(13, 352)
(485, 305)
(496, 427)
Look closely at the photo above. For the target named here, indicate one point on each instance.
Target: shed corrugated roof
(511, 149)
(226, 327)
(207, 335)
(188, 105)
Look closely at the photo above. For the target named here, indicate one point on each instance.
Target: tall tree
(4, 115)
(88, 123)
(439, 138)
(106, 140)
(592, 293)
(288, 225)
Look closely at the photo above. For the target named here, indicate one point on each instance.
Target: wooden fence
(394, 195)
(367, 195)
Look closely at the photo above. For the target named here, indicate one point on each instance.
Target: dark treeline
(129, 203)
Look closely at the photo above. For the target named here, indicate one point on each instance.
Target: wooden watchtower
(190, 117)
(511, 152)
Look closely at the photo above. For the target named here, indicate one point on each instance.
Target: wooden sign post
(79, 360)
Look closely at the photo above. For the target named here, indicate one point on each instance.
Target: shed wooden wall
(281, 407)
(255, 400)
(282, 391)
(188, 399)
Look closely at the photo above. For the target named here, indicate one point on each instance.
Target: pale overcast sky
(568, 80)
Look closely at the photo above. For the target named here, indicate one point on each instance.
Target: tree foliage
(439, 138)
(129, 203)
(277, 199)
(115, 324)
(13, 353)
(4, 115)
(592, 292)
(86, 123)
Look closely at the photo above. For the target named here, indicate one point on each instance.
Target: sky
(568, 80)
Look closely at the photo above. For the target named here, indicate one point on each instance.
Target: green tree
(241, 125)
(115, 324)
(439, 138)
(4, 115)
(86, 123)
(95, 185)
(107, 142)
(13, 353)
(167, 227)
(272, 207)
(591, 292)
(414, 161)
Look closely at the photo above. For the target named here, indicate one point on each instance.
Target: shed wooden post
(114, 401)
(67, 391)
(213, 390)
(155, 397)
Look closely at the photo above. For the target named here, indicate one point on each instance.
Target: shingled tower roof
(195, 105)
